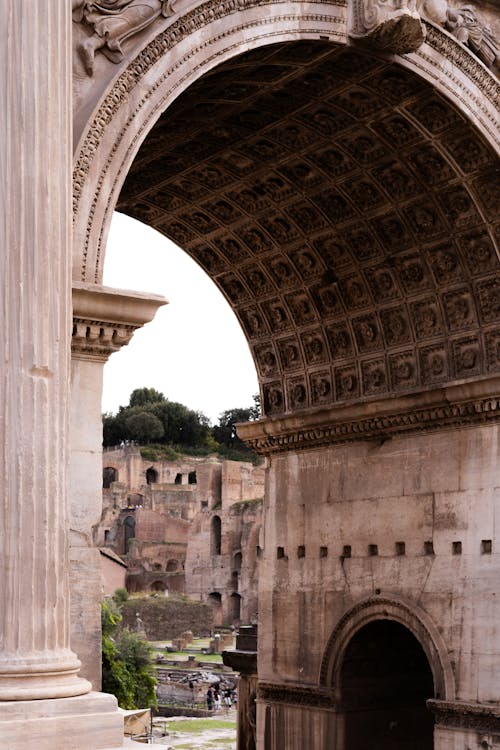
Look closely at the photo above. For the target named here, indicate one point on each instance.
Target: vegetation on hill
(150, 418)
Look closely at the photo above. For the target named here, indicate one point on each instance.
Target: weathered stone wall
(414, 518)
(233, 572)
(165, 618)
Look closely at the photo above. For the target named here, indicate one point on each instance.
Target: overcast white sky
(194, 351)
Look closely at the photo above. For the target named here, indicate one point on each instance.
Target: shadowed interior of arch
(346, 210)
(384, 684)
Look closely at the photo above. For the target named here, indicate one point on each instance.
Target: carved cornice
(296, 695)
(96, 340)
(462, 715)
(105, 319)
(244, 662)
(447, 408)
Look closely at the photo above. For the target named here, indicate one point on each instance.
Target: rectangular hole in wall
(373, 550)
(323, 551)
(400, 548)
(346, 552)
(428, 548)
(280, 553)
(486, 547)
(456, 548)
(301, 551)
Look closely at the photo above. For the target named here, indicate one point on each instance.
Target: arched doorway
(384, 684)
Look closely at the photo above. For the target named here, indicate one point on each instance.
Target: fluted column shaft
(35, 231)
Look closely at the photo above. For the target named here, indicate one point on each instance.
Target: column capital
(105, 319)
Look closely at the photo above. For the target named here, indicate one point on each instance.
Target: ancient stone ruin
(333, 166)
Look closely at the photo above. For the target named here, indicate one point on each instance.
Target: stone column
(244, 660)
(35, 225)
(104, 320)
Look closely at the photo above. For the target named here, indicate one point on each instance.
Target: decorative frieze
(447, 408)
(296, 695)
(463, 715)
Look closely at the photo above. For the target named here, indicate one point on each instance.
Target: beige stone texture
(90, 722)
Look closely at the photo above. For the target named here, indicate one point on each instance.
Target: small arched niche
(151, 475)
(216, 536)
(129, 532)
(109, 475)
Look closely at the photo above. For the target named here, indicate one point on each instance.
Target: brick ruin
(191, 525)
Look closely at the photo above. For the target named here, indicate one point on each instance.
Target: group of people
(215, 698)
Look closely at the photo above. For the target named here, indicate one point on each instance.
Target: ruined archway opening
(385, 682)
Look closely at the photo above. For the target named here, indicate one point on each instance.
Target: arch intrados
(127, 111)
(411, 617)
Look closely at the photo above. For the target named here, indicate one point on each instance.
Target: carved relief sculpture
(393, 25)
(396, 26)
(465, 25)
(114, 21)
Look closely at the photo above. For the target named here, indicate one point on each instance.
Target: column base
(87, 722)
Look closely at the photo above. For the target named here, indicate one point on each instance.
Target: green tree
(136, 655)
(144, 427)
(225, 432)
(143, 396)
(126, 660)
(181, 426)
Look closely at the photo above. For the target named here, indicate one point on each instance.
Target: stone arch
(172, 566)
(151, 475)
(135, 97)
(388, 304)
(397, 610)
